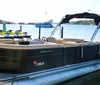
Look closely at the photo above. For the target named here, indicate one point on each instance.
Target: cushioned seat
(31, 46)
(51, 39)
(7, 41)
(69, 44)
(60, 41)
(75, 40)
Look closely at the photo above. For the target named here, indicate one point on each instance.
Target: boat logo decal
(38, 63)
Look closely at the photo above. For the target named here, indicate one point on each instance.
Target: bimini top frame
(86, 15)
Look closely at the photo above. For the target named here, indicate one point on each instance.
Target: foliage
(7, 22)
(83, 22)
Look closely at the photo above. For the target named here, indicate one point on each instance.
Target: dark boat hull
(32, 60)
(23, 61)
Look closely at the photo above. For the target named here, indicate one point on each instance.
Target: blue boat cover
(47, 24)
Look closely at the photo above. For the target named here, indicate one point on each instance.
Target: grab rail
(95, 32)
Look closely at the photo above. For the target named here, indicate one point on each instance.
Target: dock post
(39, 33)
(21, 28)
(61, 32)
(4, 27)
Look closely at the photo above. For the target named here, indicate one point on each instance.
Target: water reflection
(89, 79)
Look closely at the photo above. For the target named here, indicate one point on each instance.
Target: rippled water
(89, 79)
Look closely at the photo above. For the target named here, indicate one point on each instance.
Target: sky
(43, 10)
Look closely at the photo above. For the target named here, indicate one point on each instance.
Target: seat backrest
(69, 44)
(75, 40)
(37, 41)
(7, 41)
(51, 39)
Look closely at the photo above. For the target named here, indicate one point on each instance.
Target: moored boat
(27, 55)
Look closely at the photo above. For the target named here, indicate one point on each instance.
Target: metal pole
(39, 32)
(4, 27)
(56, 28)
(21, 28)
(61, 32)
(95, 32)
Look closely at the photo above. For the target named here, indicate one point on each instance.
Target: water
(70, 31)
(88, 79)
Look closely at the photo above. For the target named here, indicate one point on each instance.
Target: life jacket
(2, 33)
(11, 33)
(20, 32)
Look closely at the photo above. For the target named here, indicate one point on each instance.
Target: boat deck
(38, 44)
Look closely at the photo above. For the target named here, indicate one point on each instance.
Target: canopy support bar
(95, 32)
(56, 28)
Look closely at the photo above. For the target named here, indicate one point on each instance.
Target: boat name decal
(45, 51)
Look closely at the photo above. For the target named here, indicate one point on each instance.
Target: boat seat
(1, 83)
(69, 44)
(51, 39)
(49, 43)
(60, 41)
(7, 41)
(73, 44)
(74, 40)
(31, 46)
(37, 41)
(88, 43)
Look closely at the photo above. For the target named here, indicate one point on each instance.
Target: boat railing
(95, 32)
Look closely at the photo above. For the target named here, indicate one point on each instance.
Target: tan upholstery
(7, 41)
(49, 43)
(37, 41)
(88, 43)
(74, 40)
(31, 46)
(51, 39)
(1, 83)
(69, 44)
(60, 41)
